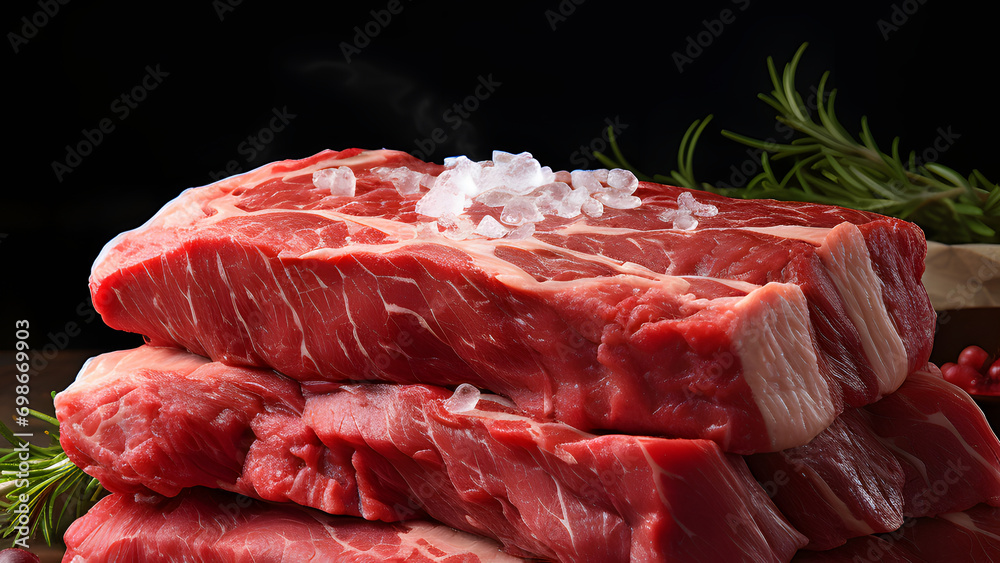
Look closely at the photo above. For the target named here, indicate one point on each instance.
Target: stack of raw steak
(400, 360)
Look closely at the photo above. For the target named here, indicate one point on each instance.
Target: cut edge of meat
(794, 398)
(446, 440)
(845, 254)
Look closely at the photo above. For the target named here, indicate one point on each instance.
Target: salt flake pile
(526, 192)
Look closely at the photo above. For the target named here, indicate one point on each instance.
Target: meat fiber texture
(160, 420)
(971, 536)
(209, 526)
(925, 450)
(752, 328)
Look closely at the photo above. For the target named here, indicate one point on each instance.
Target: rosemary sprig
(57, 491)
(826, 164)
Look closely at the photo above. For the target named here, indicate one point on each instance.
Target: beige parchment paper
(962, 276)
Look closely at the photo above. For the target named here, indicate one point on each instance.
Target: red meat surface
(209, 526)
(753, 330)
(924, 450)
(159, 420)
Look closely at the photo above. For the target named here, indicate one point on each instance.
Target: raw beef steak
(972, 536)
(924, 450)
(209, 526)
(751, 325)
(159, 419)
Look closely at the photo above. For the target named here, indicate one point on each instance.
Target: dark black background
(564, 70)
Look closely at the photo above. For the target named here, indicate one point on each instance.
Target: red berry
(963, 376)
(974, 357)
(14, 555)
(947, 367)
(994, 372)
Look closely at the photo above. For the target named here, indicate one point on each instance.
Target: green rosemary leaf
(826, 164)
(955, 178)
(980, 228)
(51, 483)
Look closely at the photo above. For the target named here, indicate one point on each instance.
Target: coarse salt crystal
(586, 179)
(592, 208)
(623, 180)
(617, 199)
(522, 232)
(549, 198)
(496, 197)
(686, 201)
(685, 222)
(490, 228)
(527, 191)
(520, 210)
(518, 173)
(437, 203)
(688, 207)
(340, 181)
(406, 181)
(464, 399)
(572, 205)
(457, 227)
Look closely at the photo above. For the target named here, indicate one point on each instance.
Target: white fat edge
(273, 170)
(364, 159)
(482, 253)
(964, 520)
(580, 226)
(845, 514)
(938, 418)
(188, 205)
(427, 538)
(845, 255)
(900, 453)
(780, 364)
(656, 472)
(534, 428)
(738, 285)
(180, 210)
(813, 235)
(480, 249)
(111, 364)
(395, 229)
